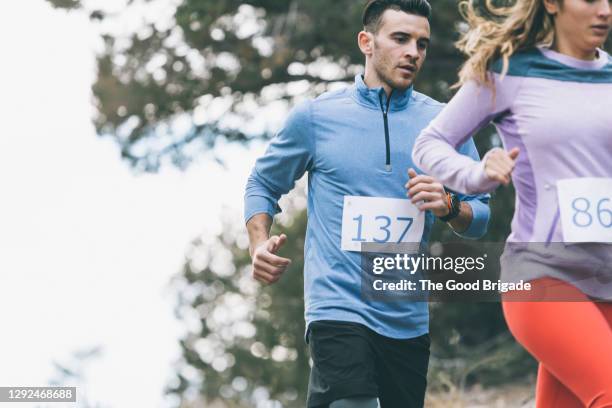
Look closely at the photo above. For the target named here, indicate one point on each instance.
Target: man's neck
(373, 81)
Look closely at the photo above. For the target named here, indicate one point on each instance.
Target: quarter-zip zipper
(385, 113)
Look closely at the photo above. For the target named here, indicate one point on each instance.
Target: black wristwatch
(454, 207)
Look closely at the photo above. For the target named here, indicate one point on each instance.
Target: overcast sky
(87, 248)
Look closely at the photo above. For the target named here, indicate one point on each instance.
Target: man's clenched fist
(426, 193)
(267, 266)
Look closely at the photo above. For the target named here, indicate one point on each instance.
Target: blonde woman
(536, 70)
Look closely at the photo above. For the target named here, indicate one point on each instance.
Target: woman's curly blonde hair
(498, 32)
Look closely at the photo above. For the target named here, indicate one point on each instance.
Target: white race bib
(585, 206)
(381, 221)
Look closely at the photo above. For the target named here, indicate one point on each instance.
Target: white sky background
(87, 248)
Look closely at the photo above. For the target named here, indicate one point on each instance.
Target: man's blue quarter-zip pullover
(353, 142)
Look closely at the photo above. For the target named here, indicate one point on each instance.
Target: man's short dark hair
(374, 9)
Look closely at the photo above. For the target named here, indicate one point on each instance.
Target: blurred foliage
(73, 372)
(159, 87)
(65, 4)
(174, 87)
(246, 341)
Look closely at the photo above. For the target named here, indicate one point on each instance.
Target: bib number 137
(379, 220)
(585, 206)
(384, 223)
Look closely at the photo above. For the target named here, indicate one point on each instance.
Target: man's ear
(365, 41)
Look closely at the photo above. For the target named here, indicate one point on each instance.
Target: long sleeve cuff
(480, 219)
(255, 204)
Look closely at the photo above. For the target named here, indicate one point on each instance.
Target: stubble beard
(379, 68)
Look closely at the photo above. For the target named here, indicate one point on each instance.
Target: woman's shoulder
(543, 63)
(519, 63)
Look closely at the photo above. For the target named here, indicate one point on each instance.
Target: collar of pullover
(371, 97)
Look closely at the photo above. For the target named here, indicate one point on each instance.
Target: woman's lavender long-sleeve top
(556, 109)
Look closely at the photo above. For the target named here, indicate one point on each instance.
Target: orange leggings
(572, 342)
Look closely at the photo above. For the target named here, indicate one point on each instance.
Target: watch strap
(454, 207)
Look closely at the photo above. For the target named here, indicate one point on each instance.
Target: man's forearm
(463, 221)
(258, 228)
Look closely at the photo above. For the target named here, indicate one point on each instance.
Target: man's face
(399, 48)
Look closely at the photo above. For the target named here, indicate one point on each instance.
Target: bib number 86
(582, 216)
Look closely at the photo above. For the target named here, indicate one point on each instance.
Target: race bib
(585, 206)
(380, 220)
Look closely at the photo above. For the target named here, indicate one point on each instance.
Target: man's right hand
(267, 266)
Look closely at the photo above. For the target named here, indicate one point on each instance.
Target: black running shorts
(351, 360)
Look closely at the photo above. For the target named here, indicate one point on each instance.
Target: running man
(355, 145)
(538, 73)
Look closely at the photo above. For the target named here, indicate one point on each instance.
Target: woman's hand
(499, 164)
